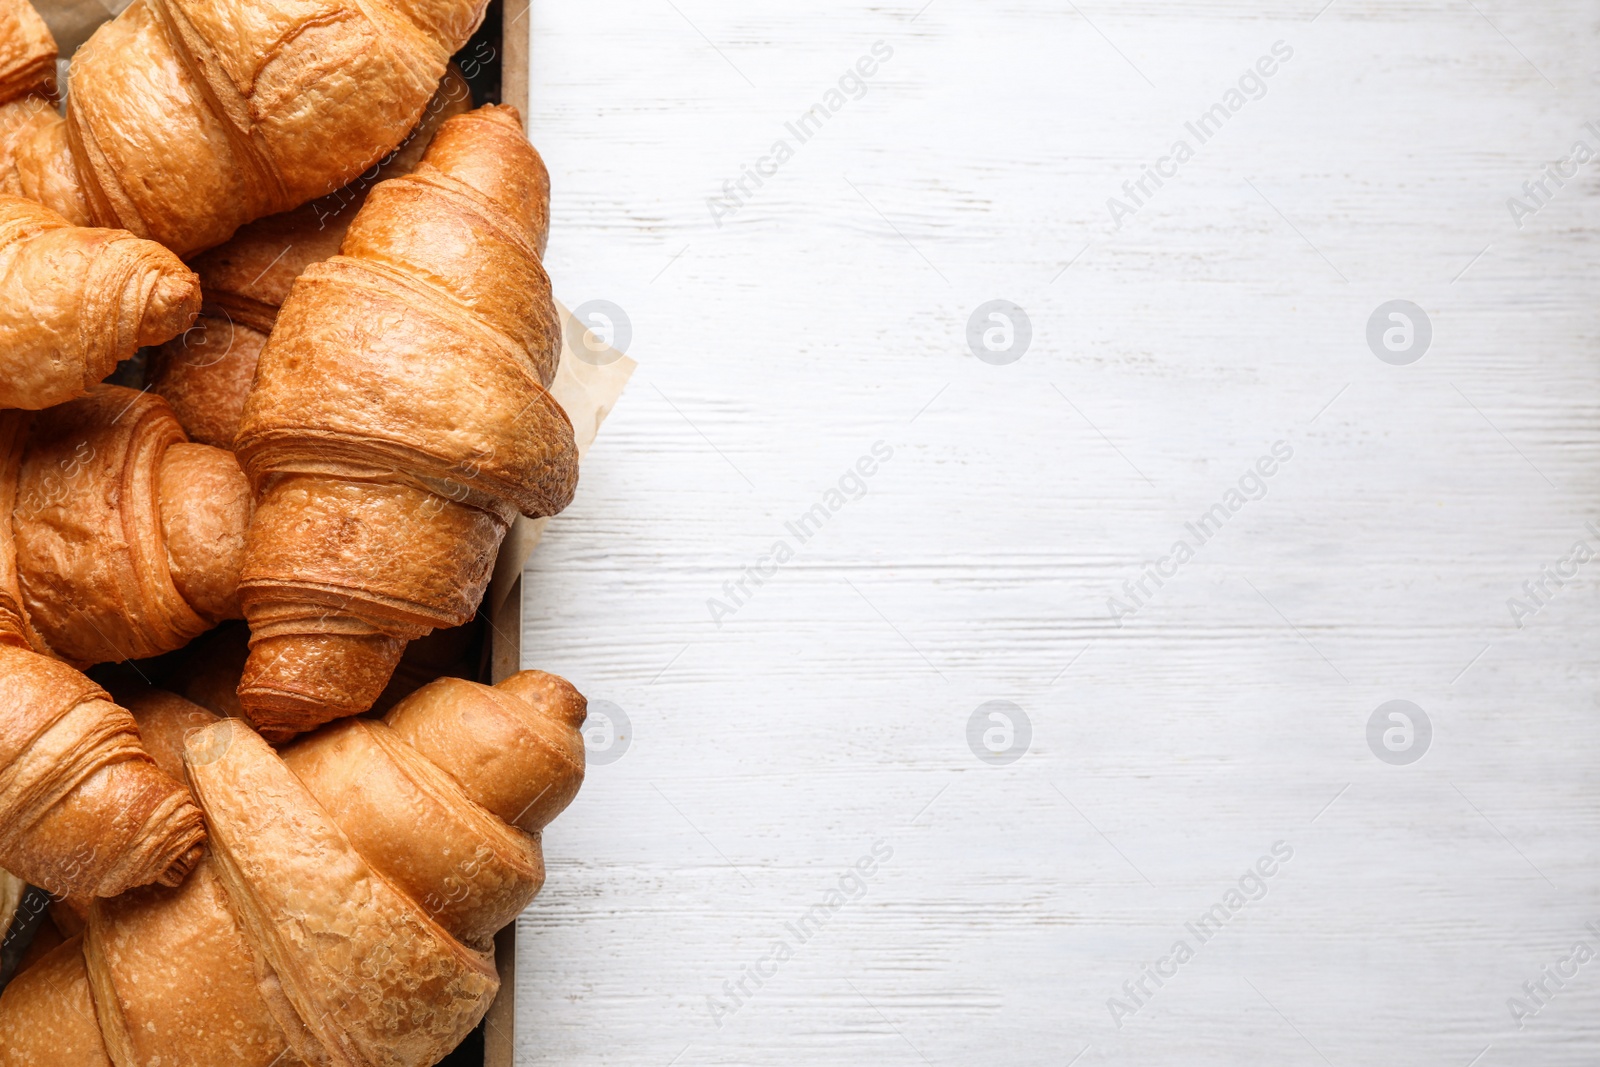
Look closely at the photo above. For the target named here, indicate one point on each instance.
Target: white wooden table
(1169, 750)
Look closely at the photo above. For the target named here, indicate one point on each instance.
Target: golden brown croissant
(399, 421)
(83, 810)
(205, 373)
(346, 910)
(128, 539)
(188, 118)
(74, 301)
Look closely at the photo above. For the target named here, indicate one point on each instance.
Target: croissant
(399, 421)
(188, 118)
(346, 909)
(205, 373)
(83, 809)
(74, 301)
(128, 538)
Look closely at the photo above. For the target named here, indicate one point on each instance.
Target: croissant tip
(181, 868)
(296, 682)
(503, 111)
(173, 306)
(542, 689)
(279, 715)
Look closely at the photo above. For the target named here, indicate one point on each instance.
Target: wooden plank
(500, 1024)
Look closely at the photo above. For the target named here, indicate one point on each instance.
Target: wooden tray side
(505, 636)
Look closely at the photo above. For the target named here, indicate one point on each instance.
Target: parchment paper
(587, 389)
(11, 889)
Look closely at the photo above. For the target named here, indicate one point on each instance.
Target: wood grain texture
(830, 712)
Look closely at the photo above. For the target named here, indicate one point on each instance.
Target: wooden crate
(496, 63)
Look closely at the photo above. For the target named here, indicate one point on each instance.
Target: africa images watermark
(1252, 485)
(851, 485)
(850, 886)
(737, 192)
(1252, 85)
(1537, 591)
(1537, 190)
(1537, 993)
(1251, 888)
